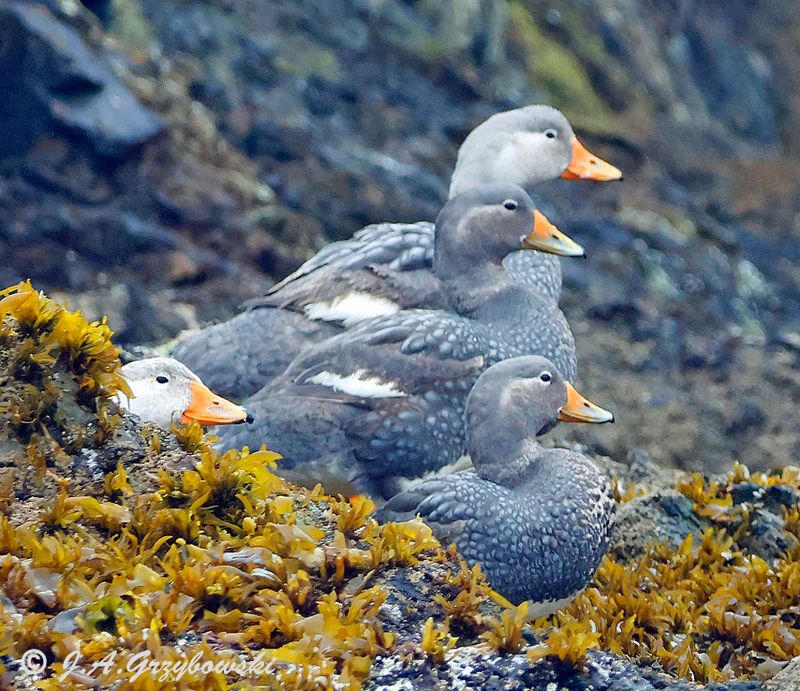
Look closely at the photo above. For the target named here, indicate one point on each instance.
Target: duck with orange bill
(384, 400)
(537, 520)
(386, 267)
(165, 391)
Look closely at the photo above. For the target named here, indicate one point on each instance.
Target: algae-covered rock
(118, 538)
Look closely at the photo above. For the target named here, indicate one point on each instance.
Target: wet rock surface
(59, 83)
(475, 668)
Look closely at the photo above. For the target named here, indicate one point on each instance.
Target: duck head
(485, 224)
(164, 390)
(519, 399)
(526, 146)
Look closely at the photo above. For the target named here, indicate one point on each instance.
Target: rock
(766, 535)
(641, 468)
(750, 417)
(735, 83)
(327, 569)
(476, 667)
(138, 316)
(626, 312)
(104, 9)
(787, 678)
(59, 82)
(56, 165)
(665, 516)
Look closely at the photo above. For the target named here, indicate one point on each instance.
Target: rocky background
(163, 160)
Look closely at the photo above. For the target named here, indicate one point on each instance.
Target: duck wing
(403, 379)
(400, 246)
(347, 297)
(459, 508)
(383, 268)
(238, 357)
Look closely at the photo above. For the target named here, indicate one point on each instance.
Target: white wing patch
(351, 308)
(358, 384)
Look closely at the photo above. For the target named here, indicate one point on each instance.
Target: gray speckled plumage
(423, 363)
(537, 520)
(400, 247)
(241, 355)
(508, 147)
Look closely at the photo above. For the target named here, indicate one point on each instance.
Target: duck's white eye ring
(550, 133)
(510, 204)
(161, 379)
(546, 377)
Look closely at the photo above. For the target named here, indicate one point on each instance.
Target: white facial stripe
(351, 308)
(358, 384)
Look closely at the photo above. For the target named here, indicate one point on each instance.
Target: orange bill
(209, 409)
(586, 166)
(545, 237)
(578, 409)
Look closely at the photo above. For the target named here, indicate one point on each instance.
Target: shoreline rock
(218, 545)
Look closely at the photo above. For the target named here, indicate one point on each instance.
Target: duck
(385, 399)
(537, 520)
(386, 267)
(165, 390)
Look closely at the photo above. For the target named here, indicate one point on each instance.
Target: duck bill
(207, 408)
(578, 409)
(586, 166)
(545, 237)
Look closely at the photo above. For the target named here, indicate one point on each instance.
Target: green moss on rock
(557, 71)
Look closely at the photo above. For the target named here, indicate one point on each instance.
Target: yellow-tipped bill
(586, 166)
(579, 409)
(545, 237)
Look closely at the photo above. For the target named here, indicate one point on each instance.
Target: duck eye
(546, 377)
(161, 379)
(510, 204)
(550, 133)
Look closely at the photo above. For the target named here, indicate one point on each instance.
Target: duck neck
(469, 293)
(476, 257)
(494, 296)
(507, 463)
(536, 270)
